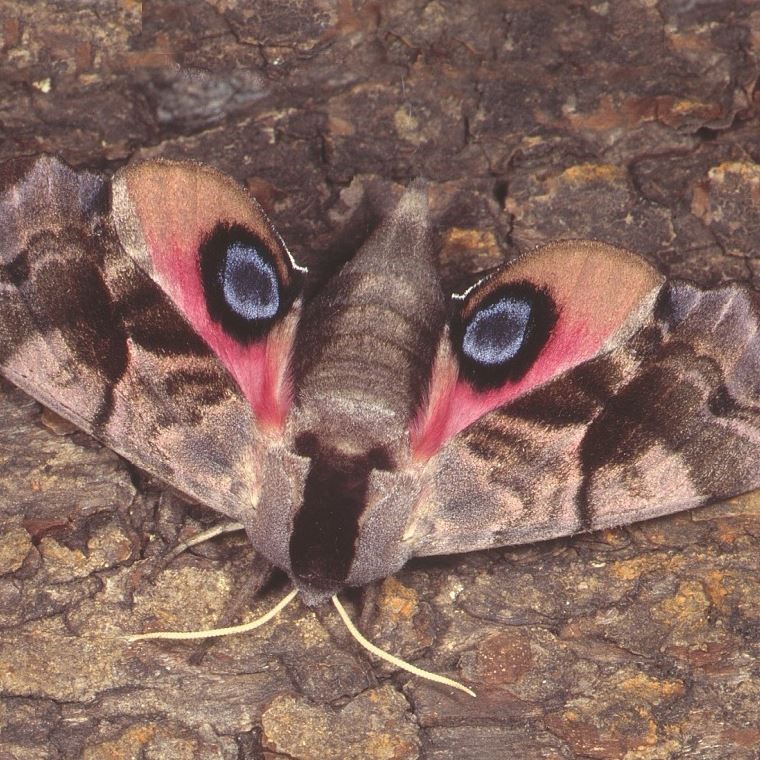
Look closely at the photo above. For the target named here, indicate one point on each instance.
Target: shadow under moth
(379, 418)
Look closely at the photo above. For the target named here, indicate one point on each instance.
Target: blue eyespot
(496, 333)
(499, 332)
(249, 282)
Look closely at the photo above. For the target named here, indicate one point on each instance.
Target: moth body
(362, 358)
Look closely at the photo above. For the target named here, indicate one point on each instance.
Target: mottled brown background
(634, 122)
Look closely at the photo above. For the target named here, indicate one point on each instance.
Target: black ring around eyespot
(241, 282)
(504, 334)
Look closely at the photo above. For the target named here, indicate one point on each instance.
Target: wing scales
(85, 331)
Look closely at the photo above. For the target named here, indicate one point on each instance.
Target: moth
(379, 418)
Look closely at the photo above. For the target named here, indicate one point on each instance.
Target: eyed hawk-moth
(375, 418)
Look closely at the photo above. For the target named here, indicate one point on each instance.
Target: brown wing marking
(86, 332)
(667, 421)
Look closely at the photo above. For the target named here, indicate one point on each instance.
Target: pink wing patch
(259, 368)
(599, 295)
(164, 212)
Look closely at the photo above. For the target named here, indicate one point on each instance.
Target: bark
(632, 122)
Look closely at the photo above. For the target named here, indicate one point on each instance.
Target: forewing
(87, 330)
(663, 417)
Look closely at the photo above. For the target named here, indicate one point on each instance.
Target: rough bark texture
(634, 122)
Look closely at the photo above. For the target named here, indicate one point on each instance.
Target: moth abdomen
(370, 336)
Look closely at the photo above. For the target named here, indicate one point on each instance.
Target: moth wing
(664, 415)
(89, 330)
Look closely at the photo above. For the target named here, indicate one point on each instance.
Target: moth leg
(203, 536)
(369, 596)
(253, 582)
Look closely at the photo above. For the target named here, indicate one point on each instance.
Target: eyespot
(247, 285)
(249, 282)
(497, 335)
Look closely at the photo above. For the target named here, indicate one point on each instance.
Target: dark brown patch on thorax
(326, 527)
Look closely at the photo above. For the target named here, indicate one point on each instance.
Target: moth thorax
(336, 493)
